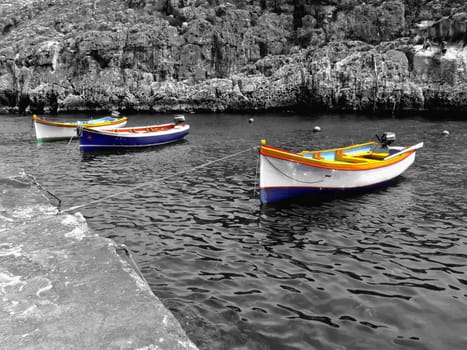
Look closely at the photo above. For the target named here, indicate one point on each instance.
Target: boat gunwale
(154, 138)
(76, 124)
(127, 131)
(275, 152)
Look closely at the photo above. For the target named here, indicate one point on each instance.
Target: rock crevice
(154, 55)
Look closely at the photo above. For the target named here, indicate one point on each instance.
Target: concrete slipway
(62, 287)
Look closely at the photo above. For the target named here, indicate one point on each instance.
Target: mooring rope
(158, 179)
(71, 139)
(39, 186)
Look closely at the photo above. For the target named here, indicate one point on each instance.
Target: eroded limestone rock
(57, 55)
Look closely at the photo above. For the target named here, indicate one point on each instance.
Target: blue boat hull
(278, 194)
(91, 140)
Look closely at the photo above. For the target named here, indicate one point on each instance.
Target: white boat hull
(50, 132)
(281, 179)
(47, 132)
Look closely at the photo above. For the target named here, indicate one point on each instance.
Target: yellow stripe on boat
(362, 164)
(74, 125)
(48, 122)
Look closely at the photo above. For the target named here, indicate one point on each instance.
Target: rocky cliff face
(209, 55)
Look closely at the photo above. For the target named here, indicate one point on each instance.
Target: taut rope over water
(158, 179)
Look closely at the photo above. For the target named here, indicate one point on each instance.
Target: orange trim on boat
(74, 125)
(137, 129)
(48, 122)
(278, 153)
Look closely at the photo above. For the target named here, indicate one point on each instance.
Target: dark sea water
(383, 270)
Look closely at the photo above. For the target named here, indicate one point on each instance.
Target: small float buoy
(445, 132)
(316, 129)
(251, 120)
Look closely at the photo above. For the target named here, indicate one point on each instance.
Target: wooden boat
(286, 175)
(47, 130)
(92, 139)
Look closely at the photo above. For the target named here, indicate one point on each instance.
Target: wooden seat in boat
(342, 157)
(376, 155)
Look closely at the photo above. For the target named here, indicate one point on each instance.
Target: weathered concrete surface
(62, 287)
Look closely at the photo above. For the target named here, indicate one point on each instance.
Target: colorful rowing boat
(286, 175)
(92, 139)
(47, 130)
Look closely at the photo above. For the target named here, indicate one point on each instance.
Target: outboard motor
(386, 139)
(179, 119)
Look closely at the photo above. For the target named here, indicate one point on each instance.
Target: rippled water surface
(386, 269)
